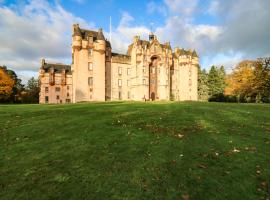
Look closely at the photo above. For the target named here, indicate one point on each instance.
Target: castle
(149, 71)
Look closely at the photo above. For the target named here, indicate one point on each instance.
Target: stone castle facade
(149, 71)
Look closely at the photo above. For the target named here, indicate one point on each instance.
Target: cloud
(181, 7)
(243, 29)
(123, 34)
(153, 7)
(213, 7)
(35, 30)
(41, 29)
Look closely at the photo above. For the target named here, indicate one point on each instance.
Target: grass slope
(135, 151)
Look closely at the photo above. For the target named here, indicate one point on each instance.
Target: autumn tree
(6, 85)
(240, 81)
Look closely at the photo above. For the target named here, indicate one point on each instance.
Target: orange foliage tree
(6, 84)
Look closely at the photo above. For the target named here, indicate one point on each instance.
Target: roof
(84, 33)
(180, 52)
(58, 67)
(121, 58)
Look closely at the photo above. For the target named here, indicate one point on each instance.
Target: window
(120, 70)
(67, 94)
(46, 89)
(57, 89)
(67, 100)
(67, 87)
(144, 70)
(144, 81)
(128, 82)
(90, 52)
(119, 82)
(128, 71)
(46, 99)
(90, 39)
(57, 97)
(90, 66)
(90, 81)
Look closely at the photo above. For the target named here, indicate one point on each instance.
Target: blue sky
(223, 32)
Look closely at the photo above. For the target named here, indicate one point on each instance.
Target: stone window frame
(90, 52)
(119, 70)
(128, 71)
(119, 82)
(57, 89)
(90, 66)
(90, 81)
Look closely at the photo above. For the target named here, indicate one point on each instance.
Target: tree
(31, 93)
(261, 82)
(216, 81)
(6, 85)
(202, 85)
(239, 82)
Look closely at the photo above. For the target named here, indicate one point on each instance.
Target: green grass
(121, 150)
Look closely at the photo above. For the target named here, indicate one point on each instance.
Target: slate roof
(58, 67)
(121, 58)
(84, 33)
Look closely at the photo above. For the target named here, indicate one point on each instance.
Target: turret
(76, 37)
(42, 62)
(100, 42)
(136, 39)
(151, 36)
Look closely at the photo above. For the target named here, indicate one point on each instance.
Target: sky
(222, 32)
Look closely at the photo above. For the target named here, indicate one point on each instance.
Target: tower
(88, 64)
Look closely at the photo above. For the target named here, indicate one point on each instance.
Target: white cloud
(182, 7)
(213, 7)
(153, 7)
(123, 34)
(33, 31)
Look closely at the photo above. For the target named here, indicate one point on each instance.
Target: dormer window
(90, 39)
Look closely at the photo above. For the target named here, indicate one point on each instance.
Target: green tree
(203, 85)
(216, 81)
(31, 94)
(261, 82)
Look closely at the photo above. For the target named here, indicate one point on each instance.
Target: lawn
(121, 150)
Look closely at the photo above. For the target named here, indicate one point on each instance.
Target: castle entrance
(153, 78)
